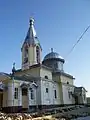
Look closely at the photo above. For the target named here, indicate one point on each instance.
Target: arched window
(46, 77)
(38, 54)
(26, 52)
(46, 90)
(26, 55)
(67, 82)
(84, 96)
(55, 65)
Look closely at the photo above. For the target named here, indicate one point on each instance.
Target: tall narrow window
(38, 54)
(26, 55)
(16, 93)
(55, 65)
(69, 95)
(26, 52)
(55, 93)
(84, 96)
(46, 90)
(32, 93)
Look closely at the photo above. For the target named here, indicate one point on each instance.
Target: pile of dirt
(24, 116)
(16, 116)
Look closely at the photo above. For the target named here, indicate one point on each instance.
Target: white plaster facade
(40, 92)
(48, 98)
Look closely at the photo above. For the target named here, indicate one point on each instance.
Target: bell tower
(31, 48)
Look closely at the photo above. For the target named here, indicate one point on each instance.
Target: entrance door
(1, 100)
(24, 98)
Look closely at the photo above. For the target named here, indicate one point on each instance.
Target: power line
(78, 41)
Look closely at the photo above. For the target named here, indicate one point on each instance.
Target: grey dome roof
(53, 55)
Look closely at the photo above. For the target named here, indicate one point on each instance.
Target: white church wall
(84, 96)
(36, 98)
(32, 55)
(65, 79)
(38, 92)
(57, 89)
(32, 96)
(20, 96)
(67, 97)
(47, 93)
(44, 95)
(45, 72)
(5, 96)
(27, 99)
(10, 100)
(34, 71)
(11, 91)
(22, 100)
(56, 77)
(17, 85)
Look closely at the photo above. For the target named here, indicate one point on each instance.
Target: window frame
(15, 93)
(55, 94)
(37, 54)
(31, 93)
(46, 77)
(26, 60)
(47, 90)
(26, 52)
(67, 82)
(69, 95)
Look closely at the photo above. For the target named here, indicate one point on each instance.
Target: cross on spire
(51, 49)
(31, 21)
(13, 68)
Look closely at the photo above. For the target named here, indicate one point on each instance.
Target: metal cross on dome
(51, 49)
(14, 64)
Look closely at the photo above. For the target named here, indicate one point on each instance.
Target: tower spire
(31, 34)
(31, 49)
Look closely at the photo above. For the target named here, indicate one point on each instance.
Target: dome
(54, 61)
(53, 55)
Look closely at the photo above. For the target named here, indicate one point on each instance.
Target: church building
(38, 84)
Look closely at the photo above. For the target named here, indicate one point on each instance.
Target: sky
(58, 23)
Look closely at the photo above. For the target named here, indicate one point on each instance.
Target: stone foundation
(12, 109)
(32, 108)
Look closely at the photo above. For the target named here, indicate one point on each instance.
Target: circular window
(46, 77)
